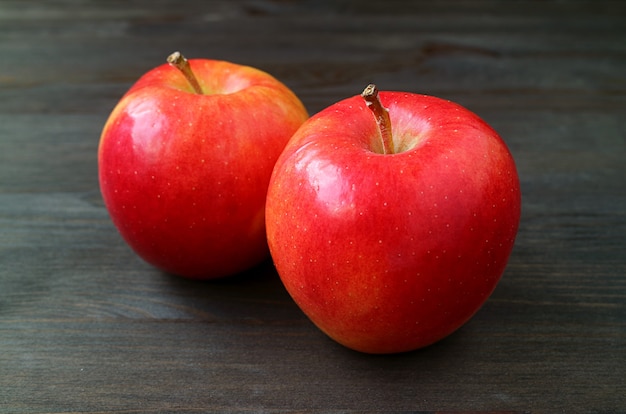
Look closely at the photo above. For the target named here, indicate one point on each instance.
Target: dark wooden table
(87, 327)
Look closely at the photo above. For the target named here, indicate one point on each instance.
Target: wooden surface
(87, 327)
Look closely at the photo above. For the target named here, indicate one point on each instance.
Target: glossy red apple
(391, 228)
(185, 159)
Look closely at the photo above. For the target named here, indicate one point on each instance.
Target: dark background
(86, 326)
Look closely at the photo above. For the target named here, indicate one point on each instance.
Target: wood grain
(87, 327)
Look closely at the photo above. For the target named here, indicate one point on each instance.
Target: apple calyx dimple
(181, 63)
(381, 114)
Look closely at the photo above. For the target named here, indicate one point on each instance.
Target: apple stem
(370, 94)
(181, 63)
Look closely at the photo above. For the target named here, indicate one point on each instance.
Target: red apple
(185, 159)
(391, 226)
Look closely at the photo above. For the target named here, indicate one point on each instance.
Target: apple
(391, 217)
(185, 159)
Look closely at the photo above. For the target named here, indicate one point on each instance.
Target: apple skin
(184, 175)
(388, 253)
